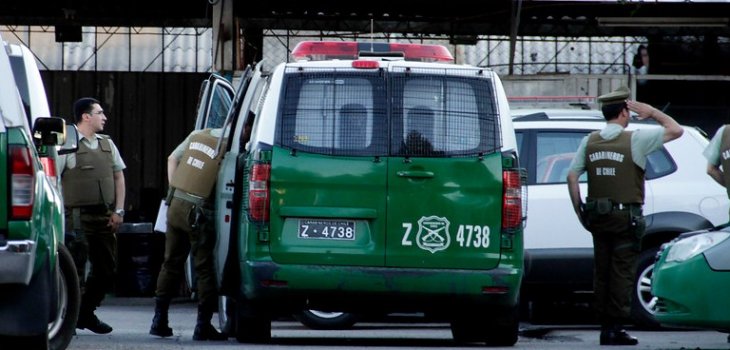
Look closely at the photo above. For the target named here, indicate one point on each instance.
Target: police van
(39, 287)
(378, 177)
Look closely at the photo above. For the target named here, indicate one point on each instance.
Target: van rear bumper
(17, 259)
(357, 287)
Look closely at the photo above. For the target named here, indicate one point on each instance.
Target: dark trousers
(616, 247)
(93, 241)
(182, 239)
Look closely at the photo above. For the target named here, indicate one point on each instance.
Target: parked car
(691, 279)
(382, 178)
(679, 197)
(39, 288)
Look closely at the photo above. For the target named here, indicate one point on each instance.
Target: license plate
(327, 229)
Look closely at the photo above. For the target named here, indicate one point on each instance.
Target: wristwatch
(119, 212)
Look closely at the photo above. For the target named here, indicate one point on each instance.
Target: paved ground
(131, 318)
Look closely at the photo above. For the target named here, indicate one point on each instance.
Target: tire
(252, 326)
(36, 342)
(61, 330)
(643, 302)
(499, 332)
(322, 320)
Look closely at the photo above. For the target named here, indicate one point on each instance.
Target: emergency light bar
(350, 50)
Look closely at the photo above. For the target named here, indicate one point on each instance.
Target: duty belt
(198, 201)
(625, 206)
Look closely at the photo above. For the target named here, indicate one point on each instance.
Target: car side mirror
(49, 131)
(71, 143)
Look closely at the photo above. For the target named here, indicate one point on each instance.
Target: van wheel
(500, 332)
(643, 303)
(322, 320)
(60, 330)
(252, 325)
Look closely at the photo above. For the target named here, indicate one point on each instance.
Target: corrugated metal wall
(149, 114)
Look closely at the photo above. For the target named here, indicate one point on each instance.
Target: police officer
(717, 153)
(192, 169)
(614, 160)
(93, 193)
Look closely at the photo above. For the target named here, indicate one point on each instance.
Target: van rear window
(335, 113)
(421, 114)
(443, 113)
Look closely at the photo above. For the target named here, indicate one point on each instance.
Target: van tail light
(258, 192)
(49, 167)
(511, 199)
(22, 182)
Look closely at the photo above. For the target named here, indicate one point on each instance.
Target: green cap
(617, 96)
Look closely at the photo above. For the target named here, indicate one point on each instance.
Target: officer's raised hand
(672, 129)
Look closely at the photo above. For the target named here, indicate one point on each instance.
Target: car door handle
(419, 174)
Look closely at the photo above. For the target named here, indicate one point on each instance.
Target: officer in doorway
(192, 169)
(93, 194)
(614, 160)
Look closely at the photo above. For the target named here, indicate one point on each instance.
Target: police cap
(617, 96)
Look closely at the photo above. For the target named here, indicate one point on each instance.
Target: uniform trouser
(93, 241)
(616, 247)
(183, 239)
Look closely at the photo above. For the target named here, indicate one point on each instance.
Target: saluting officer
(93, 194)
(192, 169)
(615, 160)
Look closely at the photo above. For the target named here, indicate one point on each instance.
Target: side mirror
(71, 143)
(49, 131)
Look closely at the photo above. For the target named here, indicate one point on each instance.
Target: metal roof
(459, 18)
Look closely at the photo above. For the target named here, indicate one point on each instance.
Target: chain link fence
(533, 55)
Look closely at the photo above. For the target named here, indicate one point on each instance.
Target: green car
(39, 288)
(690, 279)
(368, 177)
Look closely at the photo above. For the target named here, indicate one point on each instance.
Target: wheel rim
(643, 290)
(325, 314)
(55, 326)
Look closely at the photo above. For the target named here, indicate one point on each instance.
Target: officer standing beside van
(614, 160)
(192, 169)
(93, 194)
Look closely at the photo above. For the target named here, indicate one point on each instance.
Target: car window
(659, 163)
(336, 113)
(443, 115)
(219, 106)
(555, 151)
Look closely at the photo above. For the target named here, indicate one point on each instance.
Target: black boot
(87, 319)
(204, 330)
(159, 326)
(616, 335)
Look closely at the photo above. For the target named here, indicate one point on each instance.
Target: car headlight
(689, 247)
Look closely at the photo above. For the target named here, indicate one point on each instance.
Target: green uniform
(88, 190)
(615, 161)
(190, 221)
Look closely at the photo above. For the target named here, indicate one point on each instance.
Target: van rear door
(445, 175)
(328, 178)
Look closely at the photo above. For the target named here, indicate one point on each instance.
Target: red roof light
(349, 50)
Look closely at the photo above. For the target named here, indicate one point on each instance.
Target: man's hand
(114, 221)
(642, 109)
